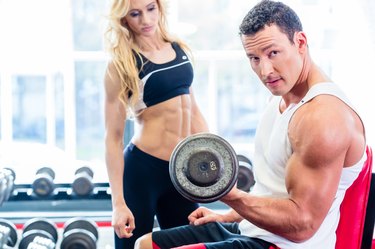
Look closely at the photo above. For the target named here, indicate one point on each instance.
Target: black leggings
(148, 191)
(214, 235)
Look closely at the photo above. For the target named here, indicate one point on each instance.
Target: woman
(149, 79)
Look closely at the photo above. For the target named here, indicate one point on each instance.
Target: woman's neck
(146, 44)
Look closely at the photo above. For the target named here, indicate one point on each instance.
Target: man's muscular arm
(320, 139)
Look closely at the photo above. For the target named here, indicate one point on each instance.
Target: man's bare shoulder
(322, 127)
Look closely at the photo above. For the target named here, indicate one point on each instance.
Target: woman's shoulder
(180, 47)
(139, 58)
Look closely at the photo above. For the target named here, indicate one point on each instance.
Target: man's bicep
(319, 143)
(312, 179)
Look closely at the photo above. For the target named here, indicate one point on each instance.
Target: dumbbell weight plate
(203, 167)
(245, 178)
(3, 187)
(86, 170)
(81, 223)
(245, 173)
(244, 160)
(43, 184)
(79, 232)
(42, 224)
(82, 184)
(29, 236)
(78, 238)
(46, 170)
(12, 238)
(10, 176)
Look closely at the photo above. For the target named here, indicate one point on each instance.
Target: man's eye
(273, 53)
(252, 58)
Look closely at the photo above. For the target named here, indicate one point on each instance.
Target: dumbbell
(7, 177)
(39, 233)
(80, 232)
(3, 187)
(203, 167)
(8, 233)
(245, 179)
(44, 185)
(11, 176)
(82, 184)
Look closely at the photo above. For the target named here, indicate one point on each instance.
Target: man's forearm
(273, 215)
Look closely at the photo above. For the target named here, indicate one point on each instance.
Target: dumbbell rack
(62, 191)
(61, 205)
(62, 201)
(73, 233)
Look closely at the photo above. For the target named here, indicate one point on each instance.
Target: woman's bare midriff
(160, 127)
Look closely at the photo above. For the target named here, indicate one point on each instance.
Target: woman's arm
(115, 117)
(198, 122)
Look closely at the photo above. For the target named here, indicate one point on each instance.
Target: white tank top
(272, 151)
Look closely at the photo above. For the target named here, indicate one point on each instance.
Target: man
(309, 148)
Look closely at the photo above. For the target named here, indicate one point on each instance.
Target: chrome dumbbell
(8, 233)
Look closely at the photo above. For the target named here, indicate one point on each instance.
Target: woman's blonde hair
(121, 45)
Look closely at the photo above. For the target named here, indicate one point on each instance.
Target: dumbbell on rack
(83, 184)
(245, 179)
(44, 185)
(7, 177)
(39, 233)
(8, 233)
(80, 232)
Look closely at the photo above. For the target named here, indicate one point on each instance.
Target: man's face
(276, 61)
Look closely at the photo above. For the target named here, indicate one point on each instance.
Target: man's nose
(266, 68)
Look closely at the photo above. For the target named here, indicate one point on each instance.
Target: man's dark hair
(268, 12)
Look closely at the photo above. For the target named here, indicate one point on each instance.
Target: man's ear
(300, 40)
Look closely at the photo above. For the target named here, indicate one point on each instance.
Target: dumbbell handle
(41, 243)
(2, 239)
(4, 234)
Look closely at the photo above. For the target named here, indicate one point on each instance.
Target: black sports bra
(160, 82)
